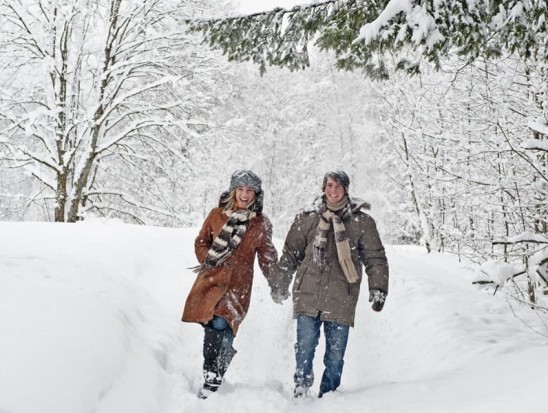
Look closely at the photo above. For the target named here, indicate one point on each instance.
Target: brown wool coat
(328, 291)
(226, 291)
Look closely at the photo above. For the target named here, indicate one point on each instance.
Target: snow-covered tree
(293, 127)
(461, 139)
(99, 100)
(363, 33)
(381, 37)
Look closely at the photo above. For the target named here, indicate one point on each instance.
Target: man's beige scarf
(333, 214)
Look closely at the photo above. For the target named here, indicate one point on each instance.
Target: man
(326, 246)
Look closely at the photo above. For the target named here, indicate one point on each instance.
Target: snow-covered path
(89, 322)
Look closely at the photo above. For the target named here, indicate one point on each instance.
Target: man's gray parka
(328, 292)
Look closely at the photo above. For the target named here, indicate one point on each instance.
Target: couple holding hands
(326, 248)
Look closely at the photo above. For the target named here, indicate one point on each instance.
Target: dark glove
(279, 296)
(377, 297)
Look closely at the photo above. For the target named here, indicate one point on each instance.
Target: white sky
(252, 6)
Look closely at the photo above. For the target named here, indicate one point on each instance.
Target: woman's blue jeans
(308, 335)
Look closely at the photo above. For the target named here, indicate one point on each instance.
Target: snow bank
(89, 322)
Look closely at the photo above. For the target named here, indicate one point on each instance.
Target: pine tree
(376, 35)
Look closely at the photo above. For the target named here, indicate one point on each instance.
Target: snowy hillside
(89, 322)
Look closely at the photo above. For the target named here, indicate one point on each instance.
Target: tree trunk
(61, 126)
(82, 180)
(420, 215)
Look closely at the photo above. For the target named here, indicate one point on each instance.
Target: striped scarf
(341, 241)
(228, 239)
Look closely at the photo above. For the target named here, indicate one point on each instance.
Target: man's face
(334, 191)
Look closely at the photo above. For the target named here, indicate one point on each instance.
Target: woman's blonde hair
(232, 204)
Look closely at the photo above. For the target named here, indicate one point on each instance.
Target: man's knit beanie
(340, 176)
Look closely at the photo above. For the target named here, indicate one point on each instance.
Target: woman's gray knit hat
(245, 177)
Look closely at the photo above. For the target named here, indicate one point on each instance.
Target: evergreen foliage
(365, 33)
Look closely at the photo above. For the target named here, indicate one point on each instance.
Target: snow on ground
(89, 322)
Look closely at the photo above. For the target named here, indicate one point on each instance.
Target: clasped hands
(279, 295)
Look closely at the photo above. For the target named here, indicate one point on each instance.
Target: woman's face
(334, 191)
(245, 195)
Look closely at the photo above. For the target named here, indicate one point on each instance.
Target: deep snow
(89, 322)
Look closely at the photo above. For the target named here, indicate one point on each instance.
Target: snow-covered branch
(539, 126)
(495, 272)
(367, 36)
(523, 238)
(535, 144)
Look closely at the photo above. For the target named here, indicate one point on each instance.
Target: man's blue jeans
(308, 335)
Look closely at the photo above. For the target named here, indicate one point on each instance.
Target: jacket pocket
(300, 278)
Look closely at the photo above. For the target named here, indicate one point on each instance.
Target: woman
(225, 248)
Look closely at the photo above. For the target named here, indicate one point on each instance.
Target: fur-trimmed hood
(319, 203)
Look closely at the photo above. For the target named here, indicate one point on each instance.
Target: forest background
(114, 109)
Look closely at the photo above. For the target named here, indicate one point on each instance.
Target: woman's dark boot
(216, 360)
